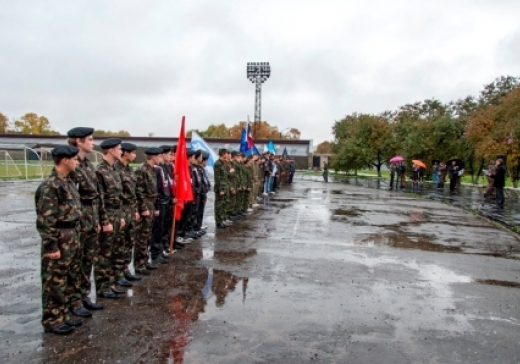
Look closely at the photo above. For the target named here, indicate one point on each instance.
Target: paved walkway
(329, 273)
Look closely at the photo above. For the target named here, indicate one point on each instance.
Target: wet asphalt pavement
(327, 273)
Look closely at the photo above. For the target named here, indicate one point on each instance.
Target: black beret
(197, 153)
(80, 132)
(110, 143)
(130, 147)
(234, 152)
(65, 151)
(190, 152)
(174, 149)
(205, 155)
(166, 148)
(153, 151)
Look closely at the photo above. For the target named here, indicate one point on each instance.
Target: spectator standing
(499, 182)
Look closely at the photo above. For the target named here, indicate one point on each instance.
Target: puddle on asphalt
(493, 282)
(351, 212)
(408, 241)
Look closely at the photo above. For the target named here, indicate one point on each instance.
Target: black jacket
(500, 176)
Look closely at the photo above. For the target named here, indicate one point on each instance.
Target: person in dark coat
(499, 182)
(453, 170)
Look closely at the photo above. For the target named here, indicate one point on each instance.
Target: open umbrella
(396, 159)
(419, 163)
(458, 162)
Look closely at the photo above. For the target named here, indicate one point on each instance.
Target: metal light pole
(258, 73)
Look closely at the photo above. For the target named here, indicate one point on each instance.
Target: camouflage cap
(234, 153)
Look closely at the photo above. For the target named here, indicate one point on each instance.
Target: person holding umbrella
(418, 165)
(395, 164)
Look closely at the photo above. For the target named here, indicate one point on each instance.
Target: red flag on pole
(183, 189)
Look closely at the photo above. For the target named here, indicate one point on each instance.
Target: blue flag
(271, 148)
(198, 143)
(284, 154)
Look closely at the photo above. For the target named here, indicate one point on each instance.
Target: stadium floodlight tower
(258, 73)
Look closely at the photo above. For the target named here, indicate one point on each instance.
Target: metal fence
(22, 163)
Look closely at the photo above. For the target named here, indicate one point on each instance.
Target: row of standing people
(91, 219)
(495, 174)
(241, 179)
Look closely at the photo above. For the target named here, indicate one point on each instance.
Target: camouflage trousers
(221, 207)
(89, 239)
(104, 269)
(125, 241)
(254, 194)
(142, 241)
(232, 204)
(60, 279)
(246, 200)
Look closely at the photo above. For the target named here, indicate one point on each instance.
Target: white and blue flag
(198, 143)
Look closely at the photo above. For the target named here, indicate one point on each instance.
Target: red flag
(183, 189)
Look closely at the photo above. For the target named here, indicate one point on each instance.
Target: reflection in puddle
(408, 241)
(494, 282)
(200, 286)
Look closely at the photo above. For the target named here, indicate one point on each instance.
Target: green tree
(362, 141)
(31, 123)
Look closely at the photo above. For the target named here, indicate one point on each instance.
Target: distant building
(299, 150)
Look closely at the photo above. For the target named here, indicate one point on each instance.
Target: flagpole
(172, 233)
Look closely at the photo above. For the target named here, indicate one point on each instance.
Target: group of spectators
(454, 170)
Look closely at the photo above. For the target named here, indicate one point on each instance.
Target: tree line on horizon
(475, 129)
(259, 130)
(31, 123)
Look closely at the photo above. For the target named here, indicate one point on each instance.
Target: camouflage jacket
(86, 179)
(221, 177)
(234, 177)
(146, 188)
(128, 181)
(248, 176)
(57, 203)
(110, 189)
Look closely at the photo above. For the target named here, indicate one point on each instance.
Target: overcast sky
(140, 65)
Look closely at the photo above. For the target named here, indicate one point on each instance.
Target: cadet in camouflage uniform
(58, 211)
(236, 184)
(234, 176)
(86, 181)
(221, 188)
(146, 193)
(110, 189)
(127, 235)
(255, 173)
(248, 168)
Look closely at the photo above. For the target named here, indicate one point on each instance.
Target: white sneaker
(265, 193)
(255, 205)
(228, 222)
(204, 228)
(249, 210)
